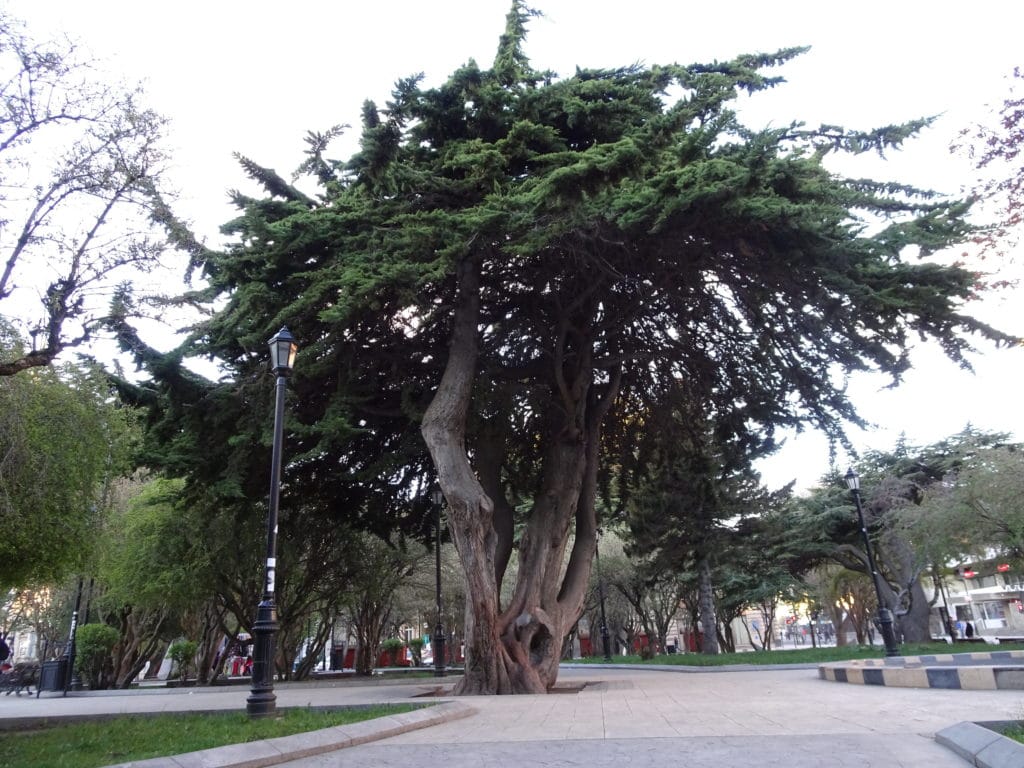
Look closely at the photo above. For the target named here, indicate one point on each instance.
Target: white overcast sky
(254, 76)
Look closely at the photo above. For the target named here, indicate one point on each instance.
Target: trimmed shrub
(94, 658)
(393, 646)
(183, 654)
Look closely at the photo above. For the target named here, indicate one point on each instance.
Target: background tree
(905, 538)
(976, 509)
(63, 439)
(653, 594)
(80, 173)
(152, 574)
(761, 566)
(369, 598)
(621, 620)
(519, 265)
(996, 151)
(691, 487)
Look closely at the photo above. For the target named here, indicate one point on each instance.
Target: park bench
(21, 677)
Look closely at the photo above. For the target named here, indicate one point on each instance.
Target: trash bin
(338, 657)
(52, 675)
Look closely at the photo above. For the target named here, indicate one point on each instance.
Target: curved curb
(981, 746)
(257, 754)
(960, 671)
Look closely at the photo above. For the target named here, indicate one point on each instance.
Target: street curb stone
(267, 752)
(981, 746)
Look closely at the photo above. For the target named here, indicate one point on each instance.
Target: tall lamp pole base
(263, 701)
(885, 624)
(439, 651)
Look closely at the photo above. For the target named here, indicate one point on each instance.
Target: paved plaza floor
(632, 717)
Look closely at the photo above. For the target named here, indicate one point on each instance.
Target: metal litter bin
(53, 675)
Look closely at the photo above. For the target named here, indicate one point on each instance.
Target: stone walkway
(621, 716)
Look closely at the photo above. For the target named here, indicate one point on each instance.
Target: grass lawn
(804, 655)
(126, 738)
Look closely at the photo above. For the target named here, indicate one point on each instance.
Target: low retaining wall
(974, 671)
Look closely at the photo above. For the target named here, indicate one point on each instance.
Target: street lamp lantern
(282, 352)
(885, 621)
(852, 480)
(262, 701)
(438, 641)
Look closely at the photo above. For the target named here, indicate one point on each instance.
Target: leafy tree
(653, 594)
(520, 265)
(996, 149)
(80, 173)
(692, 487)
(976, 508)
(894, 486)
(393, 647)
(758, 568)
(44, 609)
(63, 439)
(369, 599)
(152, 574)
(416, 650)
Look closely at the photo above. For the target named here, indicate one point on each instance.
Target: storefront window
(994, 613)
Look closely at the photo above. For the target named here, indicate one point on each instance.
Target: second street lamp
(262, 702)
(892, 648)
(438, 640)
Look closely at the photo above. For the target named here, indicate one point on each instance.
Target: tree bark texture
(708, 619)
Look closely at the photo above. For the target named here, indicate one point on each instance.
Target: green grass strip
(126, 738)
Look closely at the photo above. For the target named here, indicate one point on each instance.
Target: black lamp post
(262, 702)
(439, 666)
(70, 652)
(605, 639)
(892, 648)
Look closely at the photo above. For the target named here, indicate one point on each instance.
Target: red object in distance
(1003, 567)
(969, 574)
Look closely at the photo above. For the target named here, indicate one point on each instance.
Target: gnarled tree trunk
(516, 648)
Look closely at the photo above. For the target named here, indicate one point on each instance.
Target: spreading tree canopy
(516, 266)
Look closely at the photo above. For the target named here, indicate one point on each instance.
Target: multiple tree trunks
(516, 649)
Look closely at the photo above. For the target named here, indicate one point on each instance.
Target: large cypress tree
(517, 266)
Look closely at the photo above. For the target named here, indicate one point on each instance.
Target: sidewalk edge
(268, 752)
